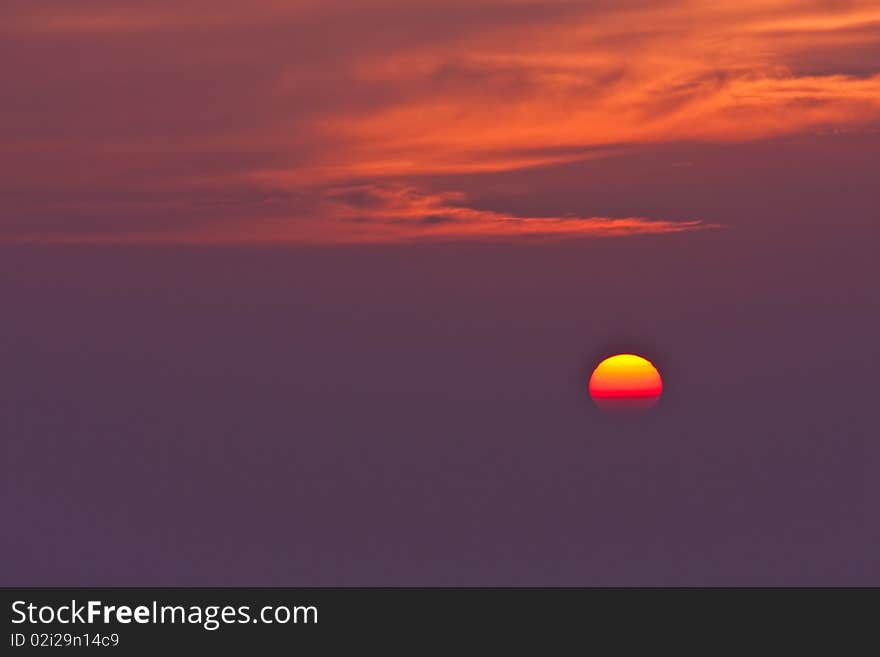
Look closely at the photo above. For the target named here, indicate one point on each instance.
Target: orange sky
(339, 121)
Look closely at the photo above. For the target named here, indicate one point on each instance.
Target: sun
(625, 383)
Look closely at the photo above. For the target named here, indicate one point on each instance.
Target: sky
(309, 293)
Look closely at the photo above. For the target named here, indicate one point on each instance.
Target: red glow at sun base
(620, 404)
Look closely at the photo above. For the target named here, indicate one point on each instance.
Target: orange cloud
(117, 116)
(408, 214)
(373, 214)
(661, 72)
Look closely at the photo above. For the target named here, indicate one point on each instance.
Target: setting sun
(625, 382)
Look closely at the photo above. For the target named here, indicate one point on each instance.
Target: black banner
(128, 621)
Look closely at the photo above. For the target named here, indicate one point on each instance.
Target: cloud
(662, 72)
(366, 213)
(190, 117)
(401, 213)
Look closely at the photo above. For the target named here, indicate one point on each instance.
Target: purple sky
(302, 293)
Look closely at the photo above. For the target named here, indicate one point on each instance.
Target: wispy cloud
(354, 214)
(228, 118)
(400, 213)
